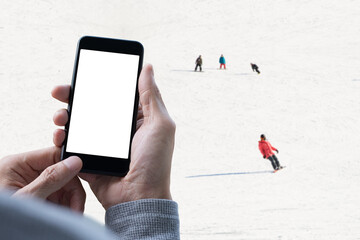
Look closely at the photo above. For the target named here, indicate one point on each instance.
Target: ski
(282, 167)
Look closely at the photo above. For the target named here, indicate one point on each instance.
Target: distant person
(255, 67)
(198, 63)
(267, 151)
(222, 61)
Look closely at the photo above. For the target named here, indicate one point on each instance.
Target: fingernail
(151, 69)
(73, 163)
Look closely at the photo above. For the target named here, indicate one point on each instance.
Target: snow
(306, 100)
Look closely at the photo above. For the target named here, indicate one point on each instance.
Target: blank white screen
(102, 109)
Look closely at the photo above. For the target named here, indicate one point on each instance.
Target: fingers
(40, 159)
(61, 93)
(150, 98)
(58, 137)
(148, 90)
(72, 195)
(140, 114)
(61, 117)
(77, 195)
(53, 178)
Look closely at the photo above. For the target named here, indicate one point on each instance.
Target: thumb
(150, 97)
(53, 178)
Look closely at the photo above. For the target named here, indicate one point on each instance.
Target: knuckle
(5, 160)
(8, 163)
(168, 124)
(172, 125)
(50, 175)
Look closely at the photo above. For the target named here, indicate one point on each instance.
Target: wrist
(135, 192)
(139, 191)
(152, 194)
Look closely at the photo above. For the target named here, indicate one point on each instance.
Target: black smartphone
(103, 104)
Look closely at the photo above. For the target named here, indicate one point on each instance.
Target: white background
(306, 100)
(103, 104)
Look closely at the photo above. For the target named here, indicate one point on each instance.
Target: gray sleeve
(144, 219)
(31, 219)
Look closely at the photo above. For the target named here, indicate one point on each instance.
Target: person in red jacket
(266, 150)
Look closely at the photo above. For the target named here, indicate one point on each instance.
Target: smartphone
(103, 104)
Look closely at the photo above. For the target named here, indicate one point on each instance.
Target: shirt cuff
(144, 219)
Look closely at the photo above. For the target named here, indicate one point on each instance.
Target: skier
(255, 67)
(222, 61)
(266, 150)
(198, 63)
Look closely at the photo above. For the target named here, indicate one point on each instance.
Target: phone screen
(103, 104)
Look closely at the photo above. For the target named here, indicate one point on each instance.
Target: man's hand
(264, 156)
(277, 151)
(39, 173)
(151, 151)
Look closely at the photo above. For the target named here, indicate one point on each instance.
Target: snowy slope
(306, 100)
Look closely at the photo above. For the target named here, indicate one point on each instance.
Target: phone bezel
(103, 164)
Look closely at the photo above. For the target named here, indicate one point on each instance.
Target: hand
(40, 174)
(151, 151)
(277, 151)
(264, 156)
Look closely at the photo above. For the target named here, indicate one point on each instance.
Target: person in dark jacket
(266, 150)
(198, 63)
(255, 67)
(222, 61)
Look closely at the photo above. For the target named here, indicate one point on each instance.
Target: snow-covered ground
(306, 100)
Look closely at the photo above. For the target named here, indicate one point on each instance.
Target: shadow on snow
(198, 70)
(213, 69)
(182, 70)
(226, 174)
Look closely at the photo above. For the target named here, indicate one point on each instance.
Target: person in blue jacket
(222, 61)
